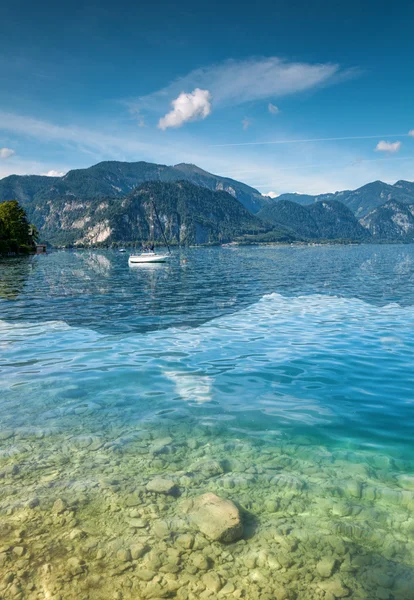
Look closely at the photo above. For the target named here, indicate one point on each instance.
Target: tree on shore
(16, 233)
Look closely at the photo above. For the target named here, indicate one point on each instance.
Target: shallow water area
(278, 378)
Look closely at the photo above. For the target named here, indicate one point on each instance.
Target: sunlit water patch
(298, 409)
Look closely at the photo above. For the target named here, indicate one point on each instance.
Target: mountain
(117, 179)
(362, 200)
(249, 197)
(190, 214)
(100, 205)
(292, 215)
(336, 221)
(302, 199)
(321, 220)
(371, 195)
(393, 221)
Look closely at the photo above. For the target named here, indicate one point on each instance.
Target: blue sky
(286, 96)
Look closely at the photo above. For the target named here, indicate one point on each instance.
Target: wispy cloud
(411, 133)
(310, 140)
(384, 146)
(187, 107)
(137, 114)
(92, 142)
(235, 82)
(6, 153)
(272, 109)
(246, 123)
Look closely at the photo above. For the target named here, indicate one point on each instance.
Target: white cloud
(384, 146)
(411, 133)
(53, 173)
(246, 123)
(234, 82)
(271, 194)
(272, 109)
(6, 153)
(187, 107)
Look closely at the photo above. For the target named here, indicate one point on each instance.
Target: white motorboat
(147, 257)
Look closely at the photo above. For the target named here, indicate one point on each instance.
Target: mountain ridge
(362, 200)
(327, 219)
(91, 205)
(117, 179)
(189, 214)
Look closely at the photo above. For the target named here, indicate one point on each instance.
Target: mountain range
(113, 202)
(363, 200)
(189, 214)
(114, 179)
(321, 220)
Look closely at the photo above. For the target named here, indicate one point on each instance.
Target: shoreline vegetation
(17, 236)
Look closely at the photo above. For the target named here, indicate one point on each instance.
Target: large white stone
(217, 518)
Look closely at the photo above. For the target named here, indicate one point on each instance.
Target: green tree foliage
(16, 234)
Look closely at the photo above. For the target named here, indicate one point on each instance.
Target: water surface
(280, 378)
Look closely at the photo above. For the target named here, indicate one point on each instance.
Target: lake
(280, 378)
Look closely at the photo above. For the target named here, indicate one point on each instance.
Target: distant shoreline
(304, 244)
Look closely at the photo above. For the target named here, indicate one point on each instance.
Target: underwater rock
(161, 529)
(33, 502)
(145, 574)
(158, 485)
(59, 506)
(155, 591)
(77, 534)
(185, 541)
(161, 446)
(212, 581)
(207, 468)
(200, 561)
(228, 588)
(352, 488)
(217, 518)
(75, 565)
(138, 550)
(288, 482)
(325, 567)
(124, 555)
(406, 481)
(137, 523)
(334, 587)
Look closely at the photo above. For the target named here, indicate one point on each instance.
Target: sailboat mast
(160, 224)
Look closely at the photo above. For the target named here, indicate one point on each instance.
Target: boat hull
(148, 258)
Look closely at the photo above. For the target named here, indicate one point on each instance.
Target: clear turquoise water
(291, 368)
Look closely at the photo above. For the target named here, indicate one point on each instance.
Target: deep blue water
(307, 346)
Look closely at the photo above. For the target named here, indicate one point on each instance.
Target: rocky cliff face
(189, 215)
(393, 221)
